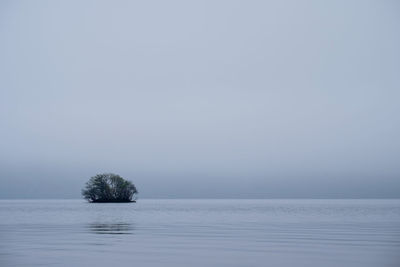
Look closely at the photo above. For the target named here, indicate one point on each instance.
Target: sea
(201, 232)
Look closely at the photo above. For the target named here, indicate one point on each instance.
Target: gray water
(200, 233)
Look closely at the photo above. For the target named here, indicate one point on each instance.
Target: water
(200, 233)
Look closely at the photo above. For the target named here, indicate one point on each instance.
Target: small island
(109, 187)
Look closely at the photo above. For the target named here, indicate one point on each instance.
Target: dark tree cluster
(109, 187)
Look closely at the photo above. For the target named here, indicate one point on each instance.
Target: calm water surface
(200, 233)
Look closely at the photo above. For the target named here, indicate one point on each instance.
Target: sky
(201, 99)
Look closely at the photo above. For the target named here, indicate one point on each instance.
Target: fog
(193, 99)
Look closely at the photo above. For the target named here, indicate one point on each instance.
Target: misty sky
(246, 99)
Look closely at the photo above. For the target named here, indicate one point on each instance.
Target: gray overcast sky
(201, 98)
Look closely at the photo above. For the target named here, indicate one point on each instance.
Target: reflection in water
(201, 233)
(111, 228)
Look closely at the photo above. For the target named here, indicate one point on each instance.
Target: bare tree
(109, 187)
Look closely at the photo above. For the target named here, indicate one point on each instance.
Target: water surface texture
(200, 233)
